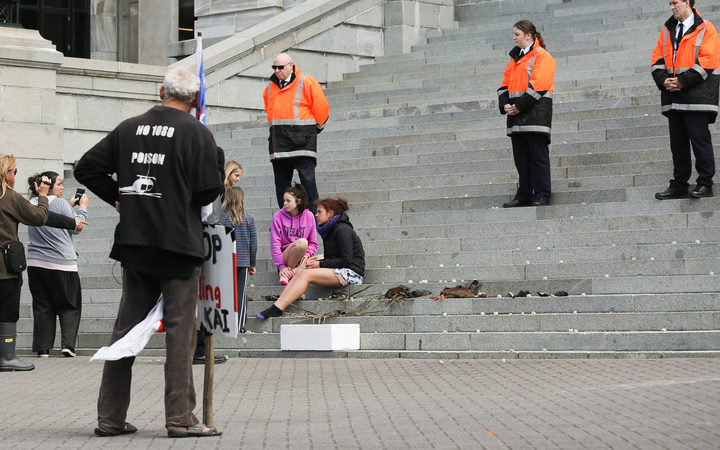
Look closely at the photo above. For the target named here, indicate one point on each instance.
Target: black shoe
(105, 432)
(672, 193)
(218, 360)
(542, 201)
(701, 190)
(515, 203)
(68, 352)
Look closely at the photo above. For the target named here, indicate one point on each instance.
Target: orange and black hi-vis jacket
(528, 83)
(695, 64)
(296, 114)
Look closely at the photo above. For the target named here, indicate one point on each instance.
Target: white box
(333, 336)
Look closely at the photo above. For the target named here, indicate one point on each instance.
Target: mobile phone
(79, 193)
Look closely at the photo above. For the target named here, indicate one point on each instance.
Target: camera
(39, 180)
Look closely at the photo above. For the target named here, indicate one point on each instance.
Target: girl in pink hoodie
(292, 233)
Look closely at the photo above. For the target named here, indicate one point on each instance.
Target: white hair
(182, 84)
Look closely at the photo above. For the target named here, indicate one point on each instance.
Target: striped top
(245, 241)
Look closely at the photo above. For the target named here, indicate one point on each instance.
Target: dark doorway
(64, 22)
(186, 19)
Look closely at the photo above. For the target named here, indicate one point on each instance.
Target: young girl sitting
(292, 233)
(342, 264)
(245, 244)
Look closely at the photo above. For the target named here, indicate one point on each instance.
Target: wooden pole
(209, 376)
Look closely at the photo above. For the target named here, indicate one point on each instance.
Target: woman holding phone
(53, 271)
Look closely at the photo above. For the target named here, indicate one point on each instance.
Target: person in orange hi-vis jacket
(686, 69)
(526, 97)
(296, 110)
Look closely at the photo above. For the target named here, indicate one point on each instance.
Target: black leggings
(10, 300)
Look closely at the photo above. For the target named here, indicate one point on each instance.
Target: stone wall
(52, 109)
(94, 96)
(28, 120)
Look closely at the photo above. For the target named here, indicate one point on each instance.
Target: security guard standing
(296, 110)
(525, 95)
(686, 69)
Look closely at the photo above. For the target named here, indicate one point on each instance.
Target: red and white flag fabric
(136, 339)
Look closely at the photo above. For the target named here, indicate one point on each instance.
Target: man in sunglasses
(296, 110)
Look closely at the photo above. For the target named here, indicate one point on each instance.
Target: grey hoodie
(53, 244)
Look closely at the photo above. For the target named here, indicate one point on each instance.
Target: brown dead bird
(398, 292)
(420, 293)
(339, 294)
(471, 291)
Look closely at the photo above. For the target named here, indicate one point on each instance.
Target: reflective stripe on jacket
(528, 83)
(695, 64)
(296, 114)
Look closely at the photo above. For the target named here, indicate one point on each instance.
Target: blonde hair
(230, 167)
(234, 204)
(7, 163)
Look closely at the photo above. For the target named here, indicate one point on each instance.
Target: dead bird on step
(401, 291)
(471, 291)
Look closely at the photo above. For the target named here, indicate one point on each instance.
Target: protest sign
(217, 308)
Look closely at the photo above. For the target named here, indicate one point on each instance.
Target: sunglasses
(279, 67)
(14, 171)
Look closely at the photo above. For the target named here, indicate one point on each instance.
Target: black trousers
(532, 161)
(242, 299)
(688, 128)
(283, 171)
(54, 293)
(10, 299)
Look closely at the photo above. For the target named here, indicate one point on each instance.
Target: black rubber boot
(8, 361)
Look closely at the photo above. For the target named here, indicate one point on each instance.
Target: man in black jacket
(166, 166)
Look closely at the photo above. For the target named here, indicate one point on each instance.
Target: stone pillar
(157, 25)
(28, 127)
(103, 30)
(127, 26)
(408, 21)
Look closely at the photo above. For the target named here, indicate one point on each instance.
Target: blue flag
(200, 108)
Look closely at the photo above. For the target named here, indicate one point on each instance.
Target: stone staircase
(416, 145)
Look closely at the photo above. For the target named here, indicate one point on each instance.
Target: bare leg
(299, 284)
(295, 252)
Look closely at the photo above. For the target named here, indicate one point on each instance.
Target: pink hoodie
(286, 229)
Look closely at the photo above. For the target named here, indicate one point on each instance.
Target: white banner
(217, 307)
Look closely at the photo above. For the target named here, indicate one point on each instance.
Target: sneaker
(284, 280)
(218, 360)
(43, 354)
(68, 352)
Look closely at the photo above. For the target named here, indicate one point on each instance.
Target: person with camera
(53, 272)
(14, 209)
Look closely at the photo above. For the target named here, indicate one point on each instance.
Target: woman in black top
(342, 264)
